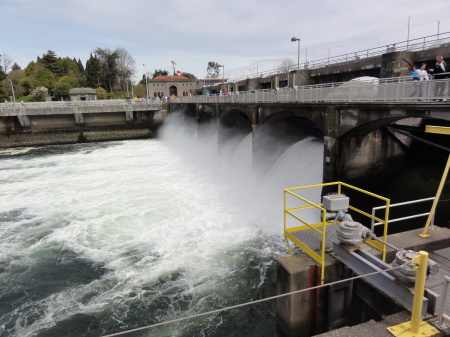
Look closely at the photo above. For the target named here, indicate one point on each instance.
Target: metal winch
(349, 233)
(407, 274)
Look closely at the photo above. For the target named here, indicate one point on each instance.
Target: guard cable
(249, 303)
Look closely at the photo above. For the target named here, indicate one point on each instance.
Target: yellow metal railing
(320, 227)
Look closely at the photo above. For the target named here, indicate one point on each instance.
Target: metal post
(436, 200)
(444, 301)
(12, 88)
(146, 84)
(407, 41)
(419, 291)
(293, 39)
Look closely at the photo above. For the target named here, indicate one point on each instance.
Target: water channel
(105, 237)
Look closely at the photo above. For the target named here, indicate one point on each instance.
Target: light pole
(12, 88)
(298, 54)
(146, 84)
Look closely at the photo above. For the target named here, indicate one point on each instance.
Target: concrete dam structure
(34, 124)
(357, 143)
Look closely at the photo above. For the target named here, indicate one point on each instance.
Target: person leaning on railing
(440, 74)
(416, 80)
(423, 78)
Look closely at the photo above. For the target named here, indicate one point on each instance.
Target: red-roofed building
(169, 86)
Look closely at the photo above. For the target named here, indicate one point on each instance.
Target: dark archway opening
(173, 91)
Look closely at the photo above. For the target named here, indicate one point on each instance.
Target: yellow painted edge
(424, 235)
(402, 330)
(437, 129)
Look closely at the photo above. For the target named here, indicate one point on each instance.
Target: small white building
(83, 94)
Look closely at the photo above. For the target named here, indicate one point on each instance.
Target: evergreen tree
(68, 67)
(15, 66)
(108, 67)
(92, 72)
(30, 68)
(143, 79)
(50, 62)
(80, 68)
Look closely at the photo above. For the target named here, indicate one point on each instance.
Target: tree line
(110, 72)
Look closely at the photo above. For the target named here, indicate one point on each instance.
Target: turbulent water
(102, 238)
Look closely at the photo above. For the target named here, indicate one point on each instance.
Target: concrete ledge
(371, 328)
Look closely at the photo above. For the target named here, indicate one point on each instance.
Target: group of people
(440, 74)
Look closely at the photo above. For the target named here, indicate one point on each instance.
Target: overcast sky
(236, 33)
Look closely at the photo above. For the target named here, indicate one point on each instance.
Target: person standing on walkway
(416, 79)
(423, 78)
(440, 75)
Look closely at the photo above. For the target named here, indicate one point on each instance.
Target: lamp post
(12, 88)
(146, 84)
(298, 54)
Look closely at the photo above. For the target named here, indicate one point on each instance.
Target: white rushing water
(99, 238)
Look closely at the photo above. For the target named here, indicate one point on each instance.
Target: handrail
(372, 227)
(422, 43)
(442, 315)
(63, 104)
(320, 227)
(359, 90)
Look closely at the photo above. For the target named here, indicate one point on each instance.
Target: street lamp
(146, 84)
(298, 54)
(12, 88)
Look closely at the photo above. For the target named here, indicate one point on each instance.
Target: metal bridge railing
(301, 235)
(397, 89)
(418, 44)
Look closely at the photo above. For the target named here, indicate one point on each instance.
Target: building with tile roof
(169, 86)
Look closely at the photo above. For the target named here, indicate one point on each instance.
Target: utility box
(335, 202)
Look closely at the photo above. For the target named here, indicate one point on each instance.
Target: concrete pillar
(129, 116)
(252, 84)
(79, 120)
(275, 82)
(332, 117)
(300, 77)
(23, 119)
(396, 64)
(255, 125)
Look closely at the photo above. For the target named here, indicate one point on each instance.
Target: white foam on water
(167, 220)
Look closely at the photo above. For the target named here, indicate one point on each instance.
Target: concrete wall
(52, 124)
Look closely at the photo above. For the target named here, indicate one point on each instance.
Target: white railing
(398, 89)
(373, 224)
(61, 104)
(442, 316)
